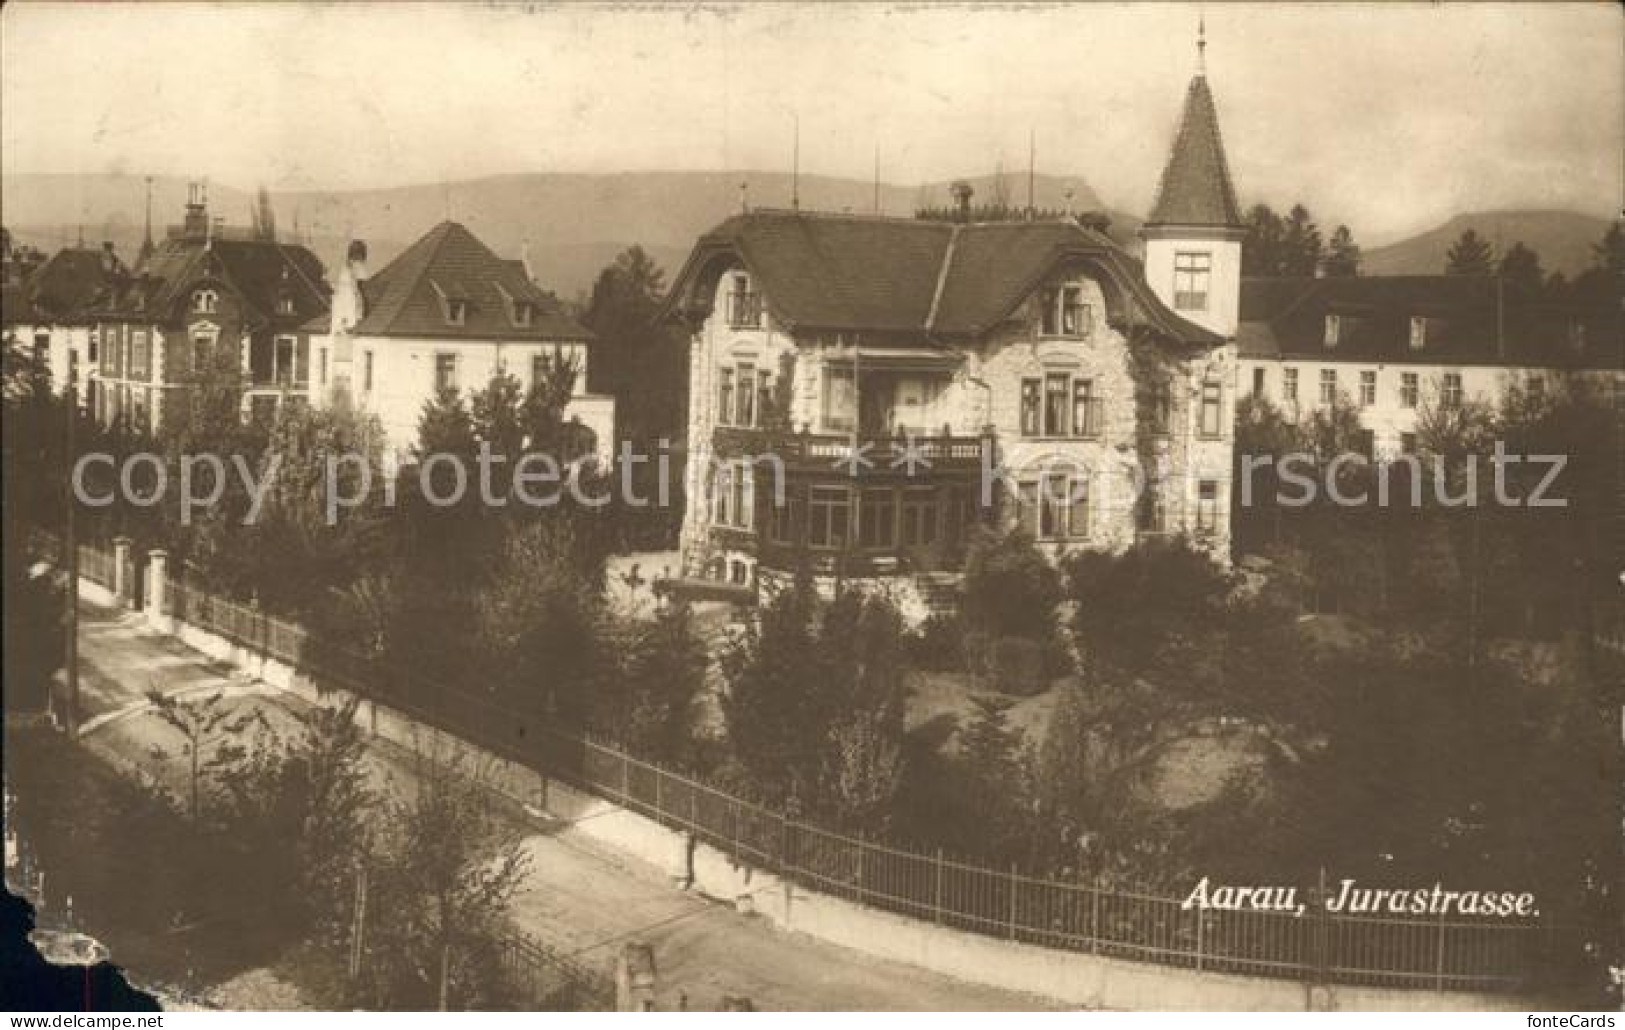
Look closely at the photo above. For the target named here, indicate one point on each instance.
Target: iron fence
(550, 980)
(1007, 903)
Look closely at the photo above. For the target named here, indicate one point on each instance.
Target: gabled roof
(1196, 188)
(260, 272)
(1470, 320)
(15, 307)
(407, 297)
(904, 276)
(60, 288)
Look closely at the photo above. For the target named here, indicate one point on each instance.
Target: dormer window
(1419, 332)
(1064, 312)
(523, 313)
(1577, 335)
(456, 311)
(284, 304)
(1334, 329)
(205, 302)
(744, 305)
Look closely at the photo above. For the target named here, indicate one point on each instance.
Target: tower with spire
(1193, 237)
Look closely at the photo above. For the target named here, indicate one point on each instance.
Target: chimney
(109, 260)
(196, 225)
(962, 191)
(356, 259)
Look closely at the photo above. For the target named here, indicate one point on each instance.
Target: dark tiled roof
(261, 272)
(1470, 320)
(914, 277)
(15, 307)
(59, 289)
(407, 296)
(1196, 187)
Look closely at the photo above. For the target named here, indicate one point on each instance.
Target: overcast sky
(1388, 117)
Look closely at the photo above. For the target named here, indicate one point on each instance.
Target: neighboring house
(1394, 346)
(43, 311)
(207, 297)
(449, 312)
(856, 380)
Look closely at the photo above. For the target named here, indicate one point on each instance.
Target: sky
(1389, 117)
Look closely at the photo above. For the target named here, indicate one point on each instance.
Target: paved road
(582, 898)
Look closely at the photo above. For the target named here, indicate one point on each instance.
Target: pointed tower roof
(1196, 187)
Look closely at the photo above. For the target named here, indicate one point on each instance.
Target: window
(366, 371)
(1419, 332)
(734, 495)
(1537, 388)
(1368, 388)
(1029, 407)
(780, 522)
(284, 304)
(725, 396)
(877, 518)
(1049, 322)
(920, 527)
(1207, 507)
(140, 355)
(829, 509)
(1074, 312)
(1408, 389)
(745, 397)
(205, 302)
(1055, 506)
(1192, 272)
(1289, 384)
(456, 310)
(322, 366)
(286, 372)
(1212, 403)
(1085, 408)
(522, 313)
(1328, 385)
(1258, 382)
(744, 307)
(1056, 387)
(445, 372)
(840, 399)
(1407, 443)
(1450, 393)
(202, 352)
(42, 346)
(1368, 442)
(1162, 407)
(1334, 329)
(93, 354)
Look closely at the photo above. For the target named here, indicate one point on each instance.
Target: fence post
(860, 866)
(1013, 882)
(1438, 981)
(158, 590)
(784, 843)
(626, 774)
(1200, 921)
(121, 571)
(939, 888)
(660, 795)
(1094, 916)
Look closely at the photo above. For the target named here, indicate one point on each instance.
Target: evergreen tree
(1521, 266)
(1471, 254)
(1342, 255)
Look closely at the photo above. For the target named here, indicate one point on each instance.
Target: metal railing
(1087, 917)
(552, 981)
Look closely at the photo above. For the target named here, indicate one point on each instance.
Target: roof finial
(1201, 45)
(744, 196)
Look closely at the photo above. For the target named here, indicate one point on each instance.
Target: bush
(1011, 589)
(939, 644)
(1018, 666)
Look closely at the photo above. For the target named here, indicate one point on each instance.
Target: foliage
(1342, 257)
(1011, 588)
(1521, 266)
(439, 892)
(213, 733)
(1287, 245)
(1471, 254)
(657, 690)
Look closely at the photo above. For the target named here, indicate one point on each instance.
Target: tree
(1471, 254)
(213, 736)
(1300, 243)
(659, 685)
(1521, 266)
(1342, 255)
(439, 893)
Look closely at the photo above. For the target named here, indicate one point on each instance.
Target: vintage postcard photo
(930, 507)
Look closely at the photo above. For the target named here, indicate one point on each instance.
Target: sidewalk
(581, 898)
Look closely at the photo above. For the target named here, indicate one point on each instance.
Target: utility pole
(71, 559)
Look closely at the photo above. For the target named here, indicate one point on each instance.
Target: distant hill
(1563, 239)
(574, 224)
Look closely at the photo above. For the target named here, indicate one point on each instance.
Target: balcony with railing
(859, 456)
(744, 310)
